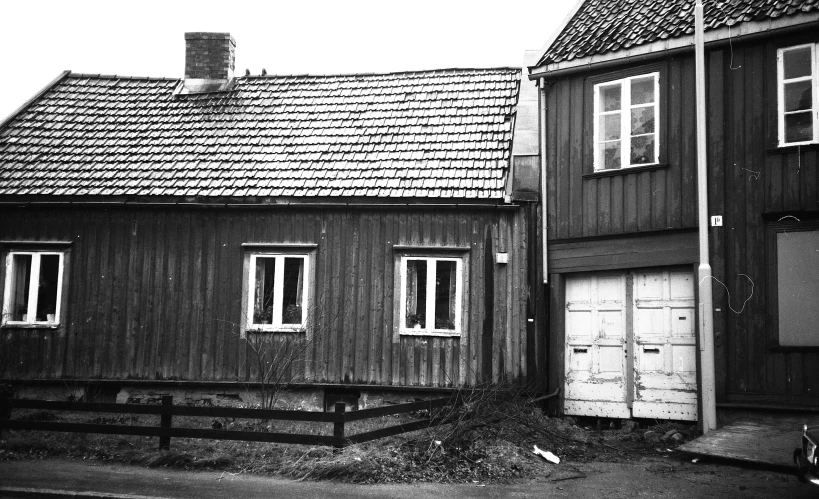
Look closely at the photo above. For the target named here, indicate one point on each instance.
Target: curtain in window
(412, 293)
(21, 274)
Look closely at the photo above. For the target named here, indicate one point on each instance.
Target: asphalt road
(650, 477)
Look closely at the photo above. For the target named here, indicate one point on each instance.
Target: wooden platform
(765, 441)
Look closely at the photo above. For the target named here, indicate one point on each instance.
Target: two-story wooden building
(617, 99)
(152, 230)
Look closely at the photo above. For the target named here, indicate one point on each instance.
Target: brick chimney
(209, 56)
(209, 63)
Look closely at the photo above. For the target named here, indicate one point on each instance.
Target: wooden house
(366, 226)
(617, 99)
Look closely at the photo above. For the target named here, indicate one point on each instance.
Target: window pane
(610, 124)
(642, 90)
(798, 96)
(799, 127)
(263, 294)
(416, 317)
(20, 275)
(610, 154)
(642, 150)
(47, 292)
(798, 282)
(445, 283)
(610, 98)
(796, 62)
(642, 120)
(292, 293)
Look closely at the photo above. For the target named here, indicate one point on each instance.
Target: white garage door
(630, 345)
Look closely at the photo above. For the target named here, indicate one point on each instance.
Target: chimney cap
(205, 35)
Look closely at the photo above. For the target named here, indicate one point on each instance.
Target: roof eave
(737, 33)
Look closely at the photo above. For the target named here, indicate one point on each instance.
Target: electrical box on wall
(502, 258)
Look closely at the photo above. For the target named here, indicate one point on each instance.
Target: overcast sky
(146, 38)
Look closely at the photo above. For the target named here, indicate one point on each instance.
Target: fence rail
(165, 431)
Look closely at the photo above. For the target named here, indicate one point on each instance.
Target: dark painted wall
(155, 294)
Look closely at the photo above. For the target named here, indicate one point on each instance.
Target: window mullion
(33, 286)
(60, 264)
(625, 120)
(431, 269)
(278, 290)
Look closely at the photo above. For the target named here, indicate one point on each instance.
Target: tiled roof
(601, 26)
(442, 134)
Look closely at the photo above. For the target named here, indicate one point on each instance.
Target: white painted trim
(278, 287)
(687, 41)
(625, 120)
(430, 298)
(33, 288)
(780, 91)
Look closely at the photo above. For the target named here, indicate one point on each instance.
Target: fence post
(338, 426)
(5, 410)
(165, 421)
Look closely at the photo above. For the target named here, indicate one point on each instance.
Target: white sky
(146, 38)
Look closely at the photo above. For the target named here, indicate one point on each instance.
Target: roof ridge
(298, 75)
(120, 77)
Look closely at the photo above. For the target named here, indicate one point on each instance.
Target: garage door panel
(665, 367)
(648, 286)
(579, 326)
(684, 358)
(682, 322)
(681, 286)
(595, 331)
(611, 325)
(580, 359)
(649, 322)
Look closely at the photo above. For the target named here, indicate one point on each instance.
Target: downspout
(706, 308)
(543, 199)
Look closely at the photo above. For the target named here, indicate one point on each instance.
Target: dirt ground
(650, 476)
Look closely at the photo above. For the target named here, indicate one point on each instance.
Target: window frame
(431, 256)
(625, 124)
(779, 226)
(252, 252)
(36, 254)
(780, 93)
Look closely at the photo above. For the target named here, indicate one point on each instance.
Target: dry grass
(489, 440)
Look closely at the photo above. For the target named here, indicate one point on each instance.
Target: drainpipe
(706, 308)
(543, 205)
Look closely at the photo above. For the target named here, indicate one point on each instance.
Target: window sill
(276, 330)
(813, 146)
(421, 332)
(794, 349)
(625, 171)
(29, 326)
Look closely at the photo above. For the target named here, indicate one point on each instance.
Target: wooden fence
(166, 410)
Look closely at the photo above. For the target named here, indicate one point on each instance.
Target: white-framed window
(797, 77)
(278, 290)
(626, 118)
(431, 295)
(33, 288)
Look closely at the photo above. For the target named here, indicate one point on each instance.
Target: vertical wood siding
(155, 294)
(629, 202)
(754, 183)
(751, 183)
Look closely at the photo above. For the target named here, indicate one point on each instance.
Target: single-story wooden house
(366, 226)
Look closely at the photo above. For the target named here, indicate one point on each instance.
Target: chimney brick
(209, 56)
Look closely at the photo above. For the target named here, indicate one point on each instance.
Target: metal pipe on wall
(706, 305)
(543, 198)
